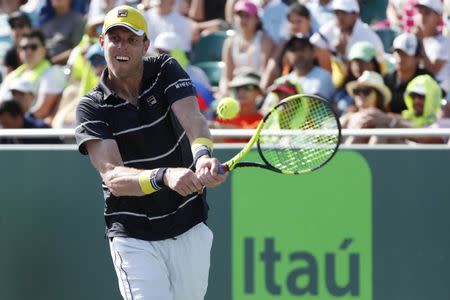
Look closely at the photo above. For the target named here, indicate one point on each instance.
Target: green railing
(373, 224)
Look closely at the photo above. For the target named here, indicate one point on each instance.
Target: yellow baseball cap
(128, 17)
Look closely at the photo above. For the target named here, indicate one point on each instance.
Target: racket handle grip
(223, 168)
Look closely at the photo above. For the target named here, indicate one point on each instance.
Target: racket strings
(299, 135)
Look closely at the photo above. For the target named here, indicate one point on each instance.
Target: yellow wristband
(201, 142)
(144, 182)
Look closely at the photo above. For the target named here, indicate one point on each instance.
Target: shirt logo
(183, 84)
(151, 100)
(121, 13)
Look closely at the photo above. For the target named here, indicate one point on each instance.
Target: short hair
(19, 16)
(298, 40)
(11, 107)
(35, 33)
(298, 9)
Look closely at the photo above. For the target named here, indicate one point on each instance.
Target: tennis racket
(299, 135)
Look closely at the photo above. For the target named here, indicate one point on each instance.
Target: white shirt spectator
(97, 8)
(172, 22)
(320, 14)
(273, 16)
(317, 82)
(438, 48)
(52, 81)
(328, 36)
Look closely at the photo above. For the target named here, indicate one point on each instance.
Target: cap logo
(121, 13)
(410, 44)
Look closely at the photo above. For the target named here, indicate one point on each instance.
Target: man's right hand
(183, 181)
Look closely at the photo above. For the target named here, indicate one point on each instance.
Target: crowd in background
(391, 72)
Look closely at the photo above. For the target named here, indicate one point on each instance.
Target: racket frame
(235, 161)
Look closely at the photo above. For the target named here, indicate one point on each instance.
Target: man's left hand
(207, 172)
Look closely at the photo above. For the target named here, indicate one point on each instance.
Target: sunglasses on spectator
(32, 47)
(18, 25)
(364, 91)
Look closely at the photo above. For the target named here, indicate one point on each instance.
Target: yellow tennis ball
(228, 108)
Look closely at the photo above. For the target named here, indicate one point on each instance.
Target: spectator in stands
(446, 18)
(407, 66)
(249, 47)
(165, 18)
(395, 14)
(362, 57)
(101, 7)
(272, 14)
(298, 22)
(10, 6)
(423, 98)
(278, 91)
(200, 10)
(321, 12)
(23, 91)
(7, 7)
(312, 78)
(436, 47)
(63, 31)
(94, 66)
(245, 88)
(81, 75)
(48, 80)
(443, 120)
(371, 96)
(12, 117)
(168, 43)
(335, 39)
(19, 23)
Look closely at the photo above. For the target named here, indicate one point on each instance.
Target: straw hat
(373, 80)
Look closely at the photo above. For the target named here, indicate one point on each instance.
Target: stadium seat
(373, 11)
(212, 69)
(387, 36)
(209, 47)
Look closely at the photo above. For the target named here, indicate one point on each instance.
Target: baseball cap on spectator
(94, 26)
(128, 17)
(285, 87)
(246, 6)
(363, 50)
(346, 5)
(93, 50)
(435, 5)
(19, 18)
(166, 41)
(245, 76)
(418, 89)
(95, 55)
(22, 85)
(406, 42)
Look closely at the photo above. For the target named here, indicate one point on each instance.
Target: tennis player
(144, 133)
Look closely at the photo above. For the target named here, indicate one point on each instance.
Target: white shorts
(172, 269)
